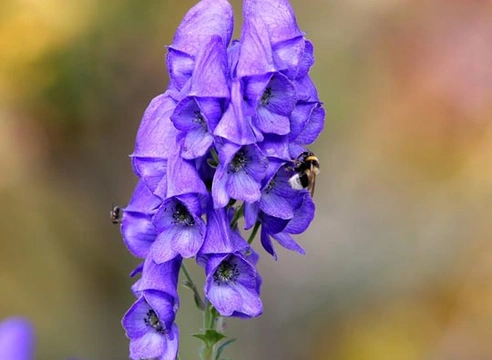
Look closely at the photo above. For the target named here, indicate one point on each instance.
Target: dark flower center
(182, 216)
(267, 95)
(152, 320)
(198, 118)
(239, 161)
(225, 273)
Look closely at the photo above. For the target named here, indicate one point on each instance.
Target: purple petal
(201, 22)
(210, 77)
(161, 249)
(241, 186)
(219, 191)
(138, 233)
(289, 55)
(277, 15)
(275, 146)
(266, 242)
(313, 127)
(224, 298)
(233, 57)
(133, 320)
(306, 90)
(272, 123)
(196, 143)
(150, 345)
(163, 305)
(287, 242)
(212, 109)
(307, 60)
(16, 339)
(180, 65)
(272, 225)
(251, 303)
(188, 240)
(151, 170)
(162, 277)
(235, 124)
(257, 162)
(172, 344)
(255, 56)
(220, 238)
(251, 211)
(156, 134)
(187, 115)
(282, 99)
(185, 176)
(143, 201)
(302, 218)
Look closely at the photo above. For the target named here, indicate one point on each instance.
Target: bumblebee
(306, 167)
(116, 214)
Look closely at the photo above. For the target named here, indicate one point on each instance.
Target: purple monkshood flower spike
(149, 325)
(16, 339)
(137, 229)
(180, 228)
(232, 283)
(239, 174)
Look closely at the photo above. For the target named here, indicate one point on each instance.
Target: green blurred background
(399, 257)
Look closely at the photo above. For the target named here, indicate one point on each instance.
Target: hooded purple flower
(16, 339)
(180, 228)
(232, 283)
(208, 18)
(149, 324)
(239, 174)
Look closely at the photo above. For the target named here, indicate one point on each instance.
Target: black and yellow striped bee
(306, 168)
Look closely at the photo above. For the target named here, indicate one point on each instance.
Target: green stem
(208, 324)
(190, 284)
(214, 155)
(254, 232)
(239, 213)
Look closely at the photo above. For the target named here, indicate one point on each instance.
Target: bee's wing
(312, 182)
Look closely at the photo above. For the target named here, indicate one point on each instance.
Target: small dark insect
(116, 214)
(306, 168)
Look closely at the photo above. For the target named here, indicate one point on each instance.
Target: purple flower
(16, 339)
(239, 174)
(180, 228)
(149, 324)
(206, 19)
(232, 284)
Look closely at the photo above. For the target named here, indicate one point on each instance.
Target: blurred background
(399, 257)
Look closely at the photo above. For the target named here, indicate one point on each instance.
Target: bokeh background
(399, 257)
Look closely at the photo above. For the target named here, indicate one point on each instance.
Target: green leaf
(222, 347)
(210, 337)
